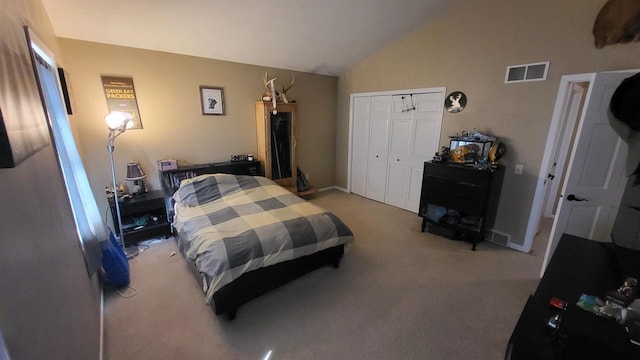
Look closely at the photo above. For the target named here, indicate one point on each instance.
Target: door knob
(572, 197)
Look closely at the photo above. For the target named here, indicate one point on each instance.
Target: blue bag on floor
(115, 263)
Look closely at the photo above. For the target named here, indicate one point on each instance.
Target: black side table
(143, 217)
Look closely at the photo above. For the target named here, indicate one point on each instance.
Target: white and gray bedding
(232, 224)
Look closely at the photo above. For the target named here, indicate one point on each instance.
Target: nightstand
(143, 217)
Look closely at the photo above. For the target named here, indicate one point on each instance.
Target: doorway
(591, 174)
(572, 111)
(567, 108)
(595, 180)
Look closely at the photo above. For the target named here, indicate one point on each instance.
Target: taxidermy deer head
(617, 22)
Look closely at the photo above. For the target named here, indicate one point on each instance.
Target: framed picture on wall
(211, 100)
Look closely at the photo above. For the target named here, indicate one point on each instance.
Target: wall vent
(526, 72)
(497, 237)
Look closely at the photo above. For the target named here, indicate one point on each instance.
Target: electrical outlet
(519, 169)
(307, 176)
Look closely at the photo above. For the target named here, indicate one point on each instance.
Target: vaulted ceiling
(323, 36)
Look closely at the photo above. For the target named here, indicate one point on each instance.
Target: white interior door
(402, 124)
(425, 141)
(595, 179)
(555, 179)
(360, 144)
(378, 147)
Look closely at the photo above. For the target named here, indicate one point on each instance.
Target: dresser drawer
(462, 190)
(458, 175)
(462, 205)
(138, 205)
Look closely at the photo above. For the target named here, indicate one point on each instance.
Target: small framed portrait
(211, 100)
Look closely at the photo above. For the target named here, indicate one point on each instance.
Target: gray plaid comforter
(230, 225)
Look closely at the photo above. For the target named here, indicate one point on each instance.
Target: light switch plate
(519, 169)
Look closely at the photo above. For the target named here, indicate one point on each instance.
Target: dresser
(460, 200)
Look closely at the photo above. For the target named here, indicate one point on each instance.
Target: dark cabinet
(578, 266)
(461, 199)
(276, 135)
(143, 217)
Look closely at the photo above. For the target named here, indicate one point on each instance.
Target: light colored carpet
(399, 294)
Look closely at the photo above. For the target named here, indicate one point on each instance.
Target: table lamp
(135, 174)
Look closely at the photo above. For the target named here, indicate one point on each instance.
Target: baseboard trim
(333, 188)
(518, 247)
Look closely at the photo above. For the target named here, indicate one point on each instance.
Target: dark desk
(578, 266)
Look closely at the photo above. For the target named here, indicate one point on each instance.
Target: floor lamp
(118, 122)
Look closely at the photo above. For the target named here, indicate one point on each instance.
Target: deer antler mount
(272, 93)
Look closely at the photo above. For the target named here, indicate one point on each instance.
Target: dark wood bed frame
(248, 286)
(257, 282)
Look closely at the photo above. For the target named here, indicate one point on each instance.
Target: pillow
(205, 188)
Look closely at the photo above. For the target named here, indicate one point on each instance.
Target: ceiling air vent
(527, 72)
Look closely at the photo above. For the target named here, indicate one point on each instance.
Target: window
(91, 229)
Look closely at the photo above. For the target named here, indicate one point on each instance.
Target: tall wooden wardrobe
(277, 143)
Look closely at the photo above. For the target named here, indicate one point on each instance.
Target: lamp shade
(134, 172)
(118, 119)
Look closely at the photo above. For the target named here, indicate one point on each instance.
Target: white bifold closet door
(360, 144)
(393, 135)
(378, 147)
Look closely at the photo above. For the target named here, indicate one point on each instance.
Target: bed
(245, 235)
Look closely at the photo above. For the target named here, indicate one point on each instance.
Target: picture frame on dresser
(211, 100)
